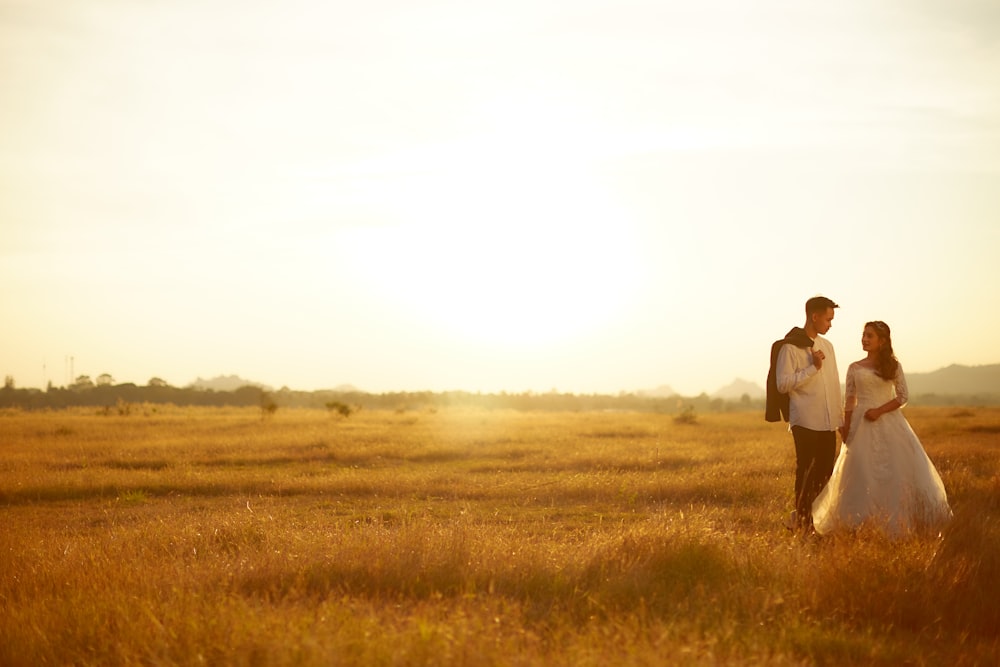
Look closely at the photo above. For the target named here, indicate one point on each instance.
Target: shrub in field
(342, 409)
(686, 416)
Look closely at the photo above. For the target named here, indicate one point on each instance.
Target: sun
(503, 253)
(508, 235)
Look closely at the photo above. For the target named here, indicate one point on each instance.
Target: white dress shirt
(814, 395)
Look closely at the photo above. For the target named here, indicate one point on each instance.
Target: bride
(882, 476)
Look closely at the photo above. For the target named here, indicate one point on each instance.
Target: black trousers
(815, 452)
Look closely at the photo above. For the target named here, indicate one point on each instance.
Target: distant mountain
(663, 391)
(346, 389)
(226, 383)
(956, 380)
(737, 388)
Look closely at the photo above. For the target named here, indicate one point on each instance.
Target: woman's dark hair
(887, 362)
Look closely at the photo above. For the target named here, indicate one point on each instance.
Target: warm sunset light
(513, 196)
(506, 240)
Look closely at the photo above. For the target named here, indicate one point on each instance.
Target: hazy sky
(519, 195)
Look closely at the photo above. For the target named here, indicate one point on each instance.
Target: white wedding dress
(882, 476)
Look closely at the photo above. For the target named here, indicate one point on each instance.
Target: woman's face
(870, 341)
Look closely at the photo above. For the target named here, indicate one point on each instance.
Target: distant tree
(157, 382)
(105, 380)
(8, 382)
(342, 409)
(82, 382)
(267, 405)
(245, 395)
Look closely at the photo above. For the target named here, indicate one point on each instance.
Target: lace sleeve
(902, 392)
(850, 390)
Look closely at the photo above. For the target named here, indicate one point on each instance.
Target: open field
(455, 537)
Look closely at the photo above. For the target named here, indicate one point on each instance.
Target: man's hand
(818, 358)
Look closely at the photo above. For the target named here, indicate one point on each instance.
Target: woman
(882, 476)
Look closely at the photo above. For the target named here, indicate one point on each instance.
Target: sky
(585, 196)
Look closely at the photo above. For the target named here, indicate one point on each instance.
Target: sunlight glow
(521, 277)
(505, 237)
(500, 250)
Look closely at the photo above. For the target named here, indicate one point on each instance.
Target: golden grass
(211, 536)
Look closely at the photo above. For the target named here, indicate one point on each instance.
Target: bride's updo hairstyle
(887, 362)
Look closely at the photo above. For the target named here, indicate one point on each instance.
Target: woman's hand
(873, 414)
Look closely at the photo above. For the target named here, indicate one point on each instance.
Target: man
(806, 370)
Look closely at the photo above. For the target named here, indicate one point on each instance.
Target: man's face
(823, 321)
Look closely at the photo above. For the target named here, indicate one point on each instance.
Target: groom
(806, 370)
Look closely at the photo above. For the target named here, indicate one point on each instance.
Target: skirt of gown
(882, 477)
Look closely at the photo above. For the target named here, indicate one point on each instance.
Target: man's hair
(819, 304)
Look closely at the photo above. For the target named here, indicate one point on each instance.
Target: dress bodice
(865, 389)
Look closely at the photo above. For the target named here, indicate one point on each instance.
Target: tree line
(107, 396)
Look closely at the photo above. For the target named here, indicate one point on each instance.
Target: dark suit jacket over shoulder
(776, 406)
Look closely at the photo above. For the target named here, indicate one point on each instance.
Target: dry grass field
(215, 537)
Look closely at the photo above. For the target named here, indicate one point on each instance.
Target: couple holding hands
(882, 475)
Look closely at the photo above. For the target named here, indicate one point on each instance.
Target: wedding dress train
(882, 475)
